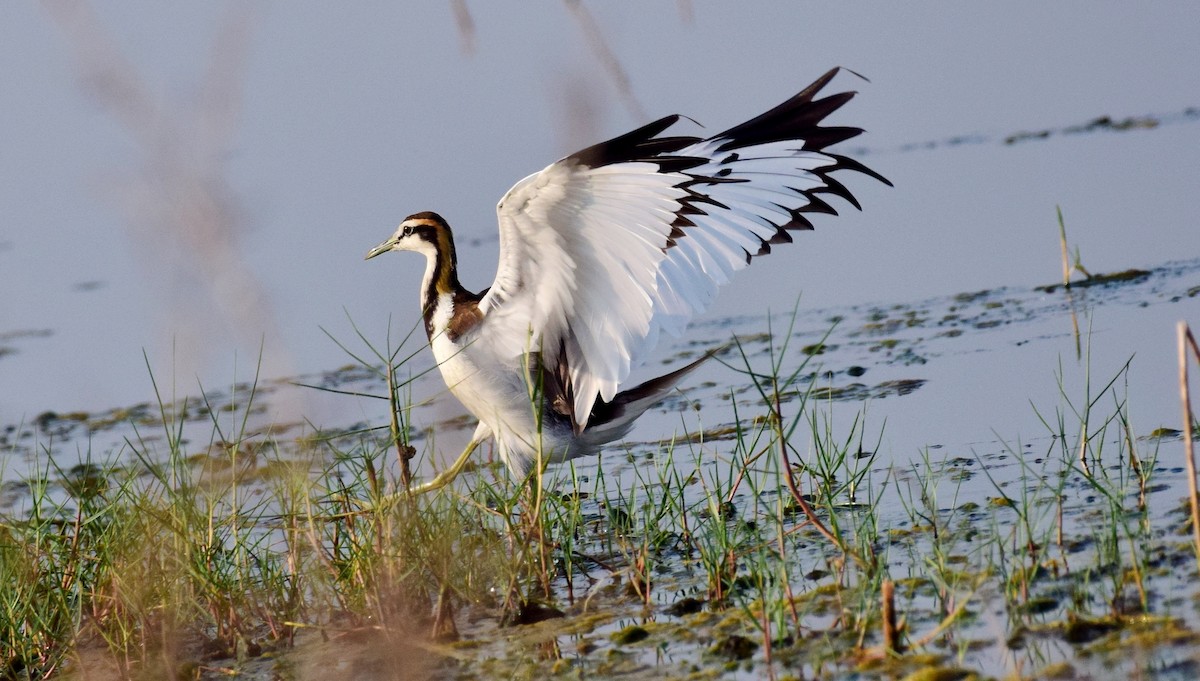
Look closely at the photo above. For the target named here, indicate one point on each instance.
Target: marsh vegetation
(770, 537)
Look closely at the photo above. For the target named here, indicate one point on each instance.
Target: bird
(601, 252)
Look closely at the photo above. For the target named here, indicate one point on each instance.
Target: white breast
(494, 389)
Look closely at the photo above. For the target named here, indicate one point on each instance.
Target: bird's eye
(408, 231)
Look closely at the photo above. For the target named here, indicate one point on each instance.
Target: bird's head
(425, 233)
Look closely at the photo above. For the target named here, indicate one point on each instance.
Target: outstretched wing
(603, 250)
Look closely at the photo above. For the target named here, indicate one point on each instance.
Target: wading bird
(601, 252)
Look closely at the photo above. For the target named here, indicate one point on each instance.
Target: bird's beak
(381, 248)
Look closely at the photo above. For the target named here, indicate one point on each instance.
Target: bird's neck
(440, 290)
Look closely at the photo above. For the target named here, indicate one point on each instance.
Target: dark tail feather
(612, 420)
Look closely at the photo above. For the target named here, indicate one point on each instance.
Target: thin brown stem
(891, 635)
(608, 59)
(790, 479)
(1062, 242)
(466, 26)
(403, 452)
(768, 658)
(1186, 339)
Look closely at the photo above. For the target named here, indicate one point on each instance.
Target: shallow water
(923, 379)
(958, 372)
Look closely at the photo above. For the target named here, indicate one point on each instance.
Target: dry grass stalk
(607, 58)
(404, 452)
(1185, 340)
(466, 26)
(794, 489)
(891, 635)
(1066, 273)
(1062, 241)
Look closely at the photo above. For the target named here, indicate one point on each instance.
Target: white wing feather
(580, 251)
(597, 260)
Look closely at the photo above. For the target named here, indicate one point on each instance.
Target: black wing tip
(797, 118)
(642, 144)
(847, 163)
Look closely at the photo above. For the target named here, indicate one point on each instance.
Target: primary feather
(602, 250)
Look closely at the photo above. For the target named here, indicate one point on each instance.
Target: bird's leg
(447, 476)
(482, 433)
